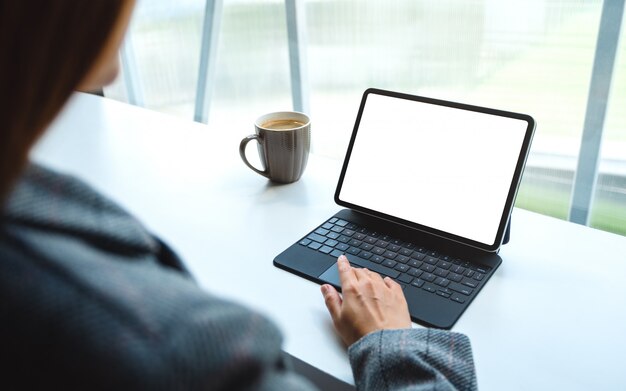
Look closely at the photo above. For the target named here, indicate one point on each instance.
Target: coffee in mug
(282, 124)
(284, 141)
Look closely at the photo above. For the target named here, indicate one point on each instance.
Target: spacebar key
(374, 267)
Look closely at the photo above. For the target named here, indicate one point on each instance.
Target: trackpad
(331, 276)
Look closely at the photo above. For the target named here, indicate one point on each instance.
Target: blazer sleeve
(413, 359)
(222, 346)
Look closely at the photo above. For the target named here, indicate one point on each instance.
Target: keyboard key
(378, 250)
(442, 281)
(351, 226)
(478, 276)
(314, 245)
(452, 276)
(354, 250)
(343, 239)
(374, 267)
(433, 254)
(382, 243)
(401, 267)
(415, 263)
(316, 237)
(445, 258)
(457, 269)
(365, 254)
(397, 242)
(394, 247)
(389, 263)
(371, 240)
(444, 264)
(428, 268)
(389, 254)
(374, 234)
(305, 242)
(418, 255)
(337, 229)
(402, 259)
(468, 273)
(342, 247)
(327, 226)
(430, 288)
(386, 238)
(341, 223)
(333, 220)
(405, 278)
(417, 283)
(441, 272)
(410, 246)
(443, 294)
(355, 243)
(359, 236)
(428, 277)
(366, 246)
(460, 288)
(446, 290)
(331, 243)
(406, 252)
(332, 235)
(348, 232)
(431, 260)
(415, 272)
(469, 282)
(326, 249)
(458, 298)
(377, 259)
(480, 268)
(336, 253)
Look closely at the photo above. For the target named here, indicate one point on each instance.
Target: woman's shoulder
(73, 307)
(80, 295)
(50, 201)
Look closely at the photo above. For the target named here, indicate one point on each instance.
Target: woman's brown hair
(46, 49)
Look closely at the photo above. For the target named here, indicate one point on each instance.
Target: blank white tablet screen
(441, 167)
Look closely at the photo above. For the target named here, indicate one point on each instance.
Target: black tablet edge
(513, 189)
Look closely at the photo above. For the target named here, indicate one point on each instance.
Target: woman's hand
(369, 303)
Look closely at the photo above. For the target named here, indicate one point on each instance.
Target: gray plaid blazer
(89, 299)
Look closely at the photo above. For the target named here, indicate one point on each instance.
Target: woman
(90, 299)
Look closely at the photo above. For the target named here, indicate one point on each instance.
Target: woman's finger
(333, 301)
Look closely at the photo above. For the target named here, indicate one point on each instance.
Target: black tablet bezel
(519, 168)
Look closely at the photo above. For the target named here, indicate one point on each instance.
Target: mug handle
(242, 153)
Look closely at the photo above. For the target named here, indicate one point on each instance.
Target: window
(609, 207)
(536, 58)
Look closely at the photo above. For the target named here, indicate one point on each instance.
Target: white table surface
(552, 317)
